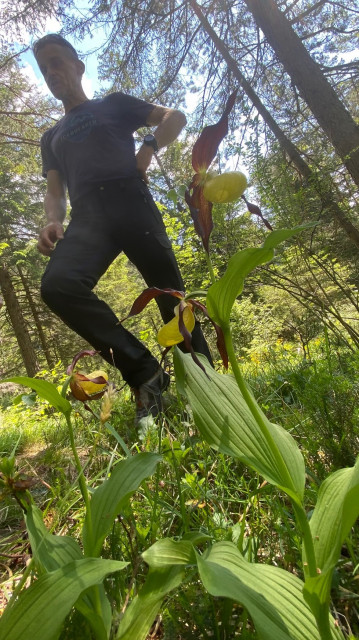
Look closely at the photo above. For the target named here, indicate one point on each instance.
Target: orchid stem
(210, 267)
(252, 405)
(86, 499)
(260, 419)
(81, 477)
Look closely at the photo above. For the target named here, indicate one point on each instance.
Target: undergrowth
(198, 489)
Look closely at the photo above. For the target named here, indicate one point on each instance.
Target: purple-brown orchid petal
(205, 148)
(164, 353)
(146, 296)
(221, 345)
(255, 210)
(78, 356)
(187, 337)
(201, 213)
(89, 386)
(169, 334)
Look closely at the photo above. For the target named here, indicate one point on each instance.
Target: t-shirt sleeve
(134, 110)
(48, 159)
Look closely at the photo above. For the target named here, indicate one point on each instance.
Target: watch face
(151, 141)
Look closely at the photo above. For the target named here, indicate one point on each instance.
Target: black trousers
(119, 215)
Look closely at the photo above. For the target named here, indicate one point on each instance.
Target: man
(91, 152)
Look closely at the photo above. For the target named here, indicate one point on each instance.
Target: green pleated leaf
(52, 552)
(274, 238)
(110, 497)
(196, 537)
(273, 597)
(45, 390)
(41, 609)
(87, 604)
(169, 552)
(49, 551)
(225, 422)
(141, 614)
(222, 294)
(335, 513)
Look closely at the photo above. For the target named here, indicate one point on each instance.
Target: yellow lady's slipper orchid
(89, 386)
(170, 334)
(225, 187)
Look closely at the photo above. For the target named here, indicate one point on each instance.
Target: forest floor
(197, 488)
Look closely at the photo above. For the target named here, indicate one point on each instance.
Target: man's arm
(170, 123)
(55, 209)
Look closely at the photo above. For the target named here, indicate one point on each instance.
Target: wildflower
(87, 386)
(170, 333)
(225, 187)
(203, 153)
(180, 327)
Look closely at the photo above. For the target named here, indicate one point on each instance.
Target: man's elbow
(177, 119)
(181, 118)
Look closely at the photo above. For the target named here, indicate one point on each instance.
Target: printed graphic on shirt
(78, 127)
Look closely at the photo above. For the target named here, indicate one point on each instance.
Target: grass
(195, 489)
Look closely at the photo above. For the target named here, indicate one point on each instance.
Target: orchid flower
(87, 386)
(178, 329)
(203, 153)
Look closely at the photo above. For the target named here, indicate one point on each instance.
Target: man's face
(62, 72)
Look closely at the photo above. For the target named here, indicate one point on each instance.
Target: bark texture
(18, 323)
(37, 319)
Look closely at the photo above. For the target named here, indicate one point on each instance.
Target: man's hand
(143, 161)
(48, 237)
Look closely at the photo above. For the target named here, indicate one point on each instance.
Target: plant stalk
(86, 499)
(252, 405)
(81, 477)
(155, 500)
(210, 267)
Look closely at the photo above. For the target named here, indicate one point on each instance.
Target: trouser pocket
(149, 201)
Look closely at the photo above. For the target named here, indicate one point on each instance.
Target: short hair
(53, 38)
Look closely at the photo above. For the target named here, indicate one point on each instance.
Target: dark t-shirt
(94, 142)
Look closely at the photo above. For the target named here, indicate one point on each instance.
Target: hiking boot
(148, 396)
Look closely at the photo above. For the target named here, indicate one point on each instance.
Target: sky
(91, 81)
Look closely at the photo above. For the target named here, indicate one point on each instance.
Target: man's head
(60, 65)
(53, 38)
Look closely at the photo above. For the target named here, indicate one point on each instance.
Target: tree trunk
(18, 323)
(287, 145)
(307, 75)
(37, 321)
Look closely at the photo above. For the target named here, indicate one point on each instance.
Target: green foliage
(145, 606)
(52, 553)
(336, 511)
(230, 426)
(269, 536)
(273, 597)
(223, 293)
(110, 497)
(45, 390)
(42, 607)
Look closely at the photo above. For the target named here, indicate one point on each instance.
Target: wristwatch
(151, 141)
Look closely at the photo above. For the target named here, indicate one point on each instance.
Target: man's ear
(80, 66)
